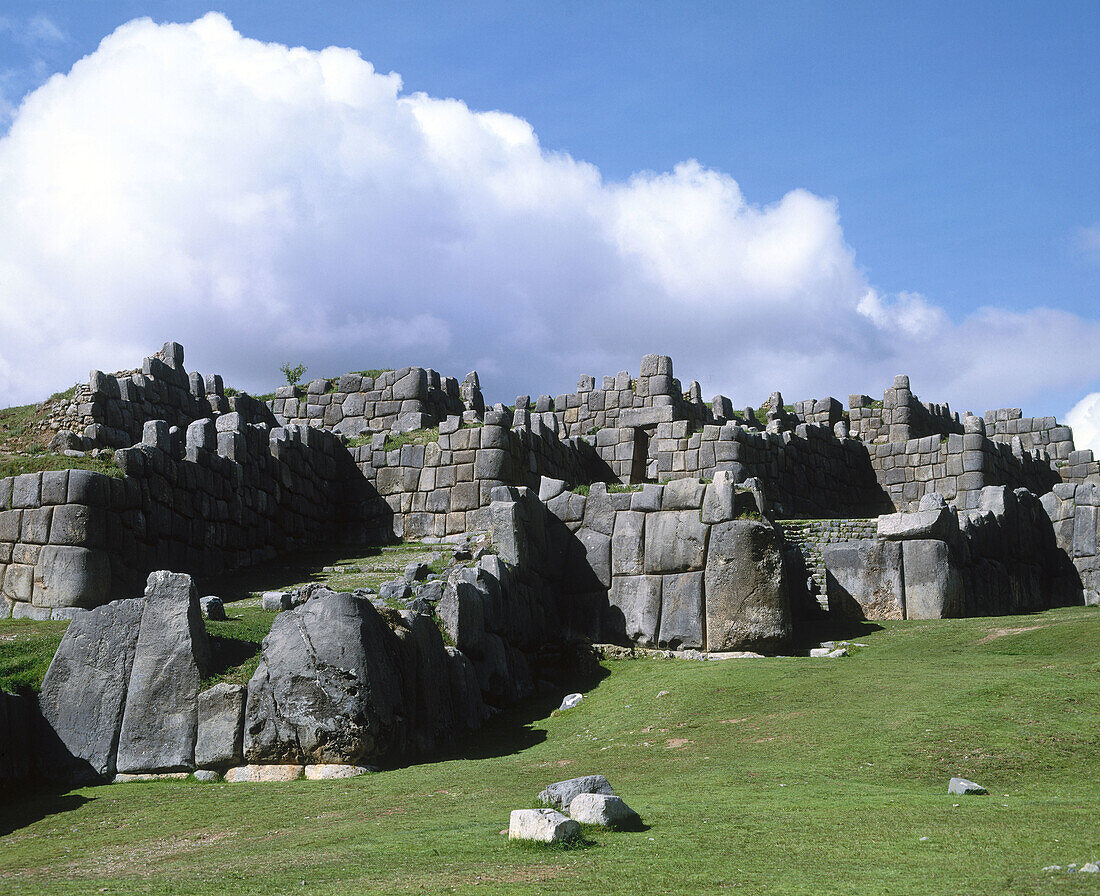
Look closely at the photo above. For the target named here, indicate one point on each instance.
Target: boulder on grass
(963, 787)
(561, 794)
(541, 825)
(599, 808)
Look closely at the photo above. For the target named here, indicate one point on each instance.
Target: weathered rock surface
(328, 688)
(863, 579)
(747, 605)
(600, 808)
(334, 771)
(160, 722)
(542, 825)
(220, 726)
(560, 794)
(261, 774)
(84, 691)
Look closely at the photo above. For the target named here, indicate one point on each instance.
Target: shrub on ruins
(293, 374)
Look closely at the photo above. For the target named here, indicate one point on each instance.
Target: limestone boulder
(934, 588)
(160, 722)
(602, 809)
(560, 794)
(541, 825)
(83, 694)
(747, 602)
(328, 689)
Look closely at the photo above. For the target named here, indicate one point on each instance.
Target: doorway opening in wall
(640, 463)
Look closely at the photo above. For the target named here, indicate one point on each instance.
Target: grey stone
(206, 776)
(597, 550)
(682, 614)
(417, 571)
(84, 691)
(933, 586)
(747, 603)
(628, 544)
(938, 524)
(212, 607)
(675, 541)
(328, 688)
(560, 795)
(220, 726)
(863, 579)
(635, 602)
(68, 576)
(172, 654)
(277, 600)
(683, 494)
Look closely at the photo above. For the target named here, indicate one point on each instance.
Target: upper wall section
(360, 403)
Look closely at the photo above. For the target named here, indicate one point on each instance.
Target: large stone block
(675, 541)
(597, 552)
(635, 605)
(939, 524)
(69, 576)
(84, 691)
(682, 614)
(328, 688)
(220, 726)
(628, 544)
(747, 603)
(933, 586)
(172, 654)
(863, 579)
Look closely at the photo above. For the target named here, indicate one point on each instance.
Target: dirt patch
(674, 743)
(1003, 632)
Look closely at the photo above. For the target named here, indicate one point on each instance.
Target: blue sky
(959, 141)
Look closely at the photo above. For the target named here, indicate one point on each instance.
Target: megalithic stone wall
(682, 565)
(219, 496)
(112, 409)
(1074, 510)
(356, 403)
(445, 486)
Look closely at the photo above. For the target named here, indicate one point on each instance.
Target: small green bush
(293, 374)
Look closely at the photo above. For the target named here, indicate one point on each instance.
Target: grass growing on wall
(16, 465)
(394, 441)
(770, 776)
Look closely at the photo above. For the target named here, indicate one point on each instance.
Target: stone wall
(215, 497)
(1074, 510)
(805, 472)
(1034, 433)
(999, 557)
(654, 396)
(112, 410)
(682, 565)
(356, 404)
(957, 466)
(444, 486)
(810, 538)
(900, 416)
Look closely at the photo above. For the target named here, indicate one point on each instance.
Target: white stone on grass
(570, 701)
(963, 787)
(541, 825)
(206, 775)
(599, 808)
(253, 774)
(333, 770)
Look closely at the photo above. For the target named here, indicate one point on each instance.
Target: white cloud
(1087, 242)
(260, 204)
(1084, 418)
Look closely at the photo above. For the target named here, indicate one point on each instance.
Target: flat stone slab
(541, 825)
(262, 774)
(334, 770)
(123, 778)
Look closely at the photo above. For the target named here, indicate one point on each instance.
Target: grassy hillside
(755, 776)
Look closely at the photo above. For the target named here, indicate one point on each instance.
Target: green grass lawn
(755, 776)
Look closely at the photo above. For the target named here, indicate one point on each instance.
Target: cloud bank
(263, 204)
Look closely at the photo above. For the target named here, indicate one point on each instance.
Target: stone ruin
(633, 513)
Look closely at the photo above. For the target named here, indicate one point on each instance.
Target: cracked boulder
(329, 687)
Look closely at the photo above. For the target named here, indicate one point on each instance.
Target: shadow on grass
(21, 809)
(826, 628)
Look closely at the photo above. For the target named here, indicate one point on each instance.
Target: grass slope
(776, 776)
